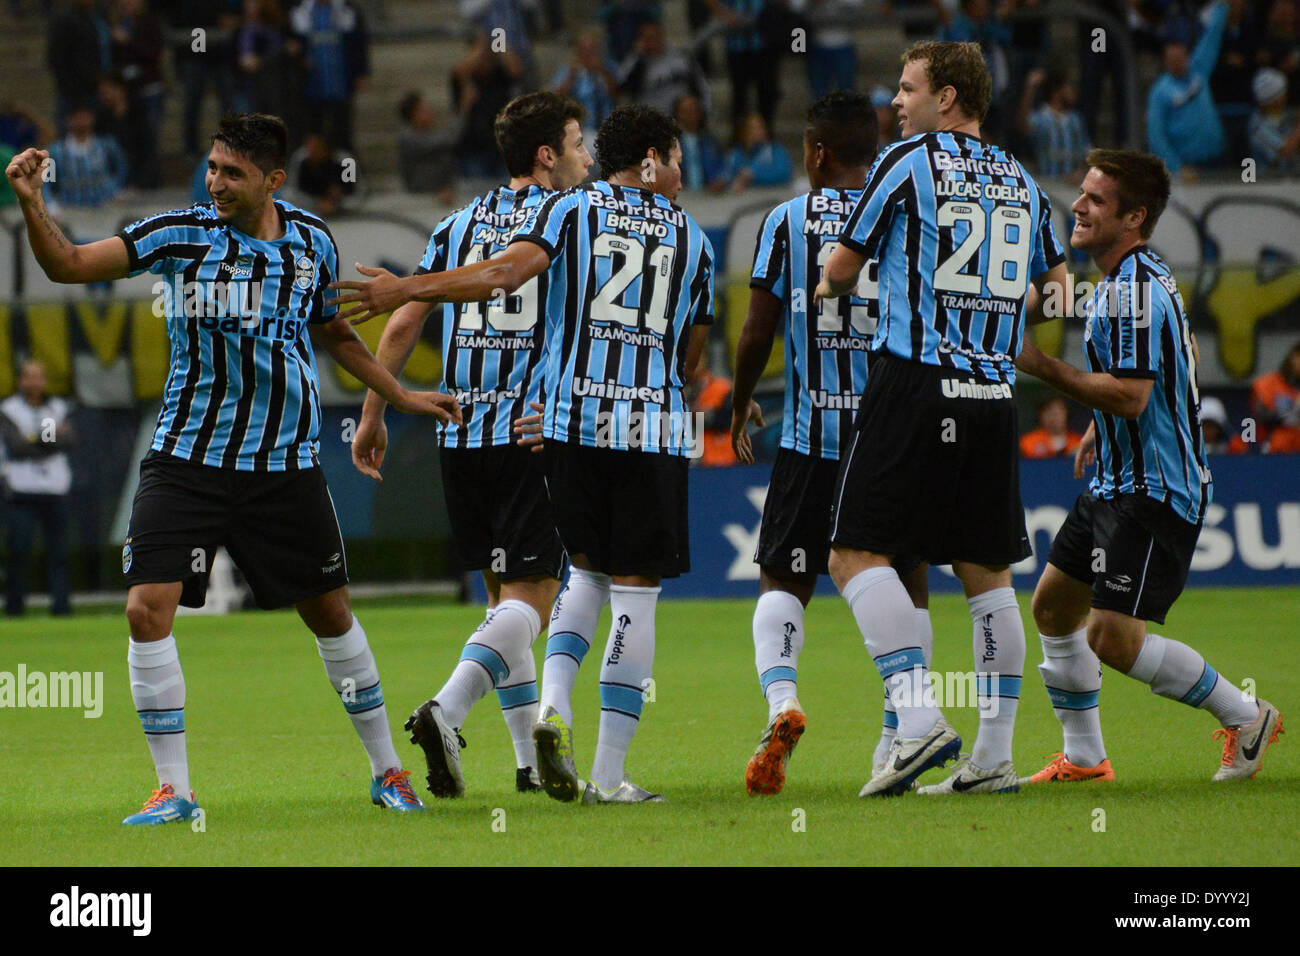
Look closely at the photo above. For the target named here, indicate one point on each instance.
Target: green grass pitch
(283, 780)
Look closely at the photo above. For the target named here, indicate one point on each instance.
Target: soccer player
(630, 303)
(499, 510)
(1121, 557)
(233, 458)
(825, 372)
(960, 229)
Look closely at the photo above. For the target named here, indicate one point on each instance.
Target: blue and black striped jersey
(632, 273)
(825, 350)
(243, 391)
(491, 351)
(959, 228)
(1137, 328)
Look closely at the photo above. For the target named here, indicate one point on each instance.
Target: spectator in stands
(1099, 64)
(137, 62)
(757, 160)
(658, 75)
(1056, 130)
(703, 166)
(89, 170)
(21, 127)
(80, 54)
(623, 20)
(336, 49)
(1215, 430)
(1281, 43)
(1052, 438)
(1230, 84)
(832, 57)
(1274, 130)
(589, 79)
(756, 40)
(35, 433)
(319, 174)
(269, 61)
(882, 101)
(203, 52)
(1183, 126)
(978, 21)
(506, 25)
(484, 82)
(427, 151)
(1275, 403)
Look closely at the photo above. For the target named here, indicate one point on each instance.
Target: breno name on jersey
(243, 390)
(1160, 454)
(491, 351)
(826, 348)
(631, 274)
(960, 228)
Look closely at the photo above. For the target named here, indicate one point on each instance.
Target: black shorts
(1133, 551)
(933, 469)
(279, 527)
(626, 511)
(795, 536)
(500, 513)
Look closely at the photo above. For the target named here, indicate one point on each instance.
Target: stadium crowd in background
(1226, 83)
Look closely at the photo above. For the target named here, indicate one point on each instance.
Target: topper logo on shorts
(1119, 582)
(75, 909)
(332, 563)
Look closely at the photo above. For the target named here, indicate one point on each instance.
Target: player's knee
(1112, 647)
(148, 620)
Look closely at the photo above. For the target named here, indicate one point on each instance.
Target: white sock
(629, 659)
(501, 640)
(158, 689)
(573, 624)
(889, 726)
(999, 644)
(887, 620)
(778, 639)
(518, 699)
(1072, 675)
(350, 667)
(1176, 671)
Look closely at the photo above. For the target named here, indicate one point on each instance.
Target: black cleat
(527, 781)
(441, 745)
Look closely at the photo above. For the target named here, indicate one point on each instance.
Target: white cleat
(1243, 747)
(909, 758)
(625, 792)
(969, 778)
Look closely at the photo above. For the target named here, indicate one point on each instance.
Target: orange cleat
(1061, 770)
(766, 771)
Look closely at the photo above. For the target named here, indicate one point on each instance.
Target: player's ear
(545, 156)
(275, 179)
(1134, 218)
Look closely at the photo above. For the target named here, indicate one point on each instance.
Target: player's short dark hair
(626, 134)
(531, 121)
(406, 106)
(845, 123)
(260, 138)
(959, 65)
(1143, 181)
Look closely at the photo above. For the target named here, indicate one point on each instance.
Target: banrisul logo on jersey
(224, 306)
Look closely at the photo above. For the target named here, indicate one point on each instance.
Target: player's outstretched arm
(370, 443)
(60, 258)
(1086, 453)
(840, 275)
(478, 282)
(1125, 397)
(752, 353)
(343, 344)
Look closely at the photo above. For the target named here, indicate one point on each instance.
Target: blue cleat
(163, 806)
(393, 792)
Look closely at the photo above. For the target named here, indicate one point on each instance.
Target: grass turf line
(283, 779)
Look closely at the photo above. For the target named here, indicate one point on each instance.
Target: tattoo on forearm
(55, 234)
